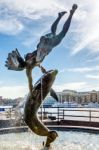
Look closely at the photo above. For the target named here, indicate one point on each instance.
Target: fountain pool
(67, 140)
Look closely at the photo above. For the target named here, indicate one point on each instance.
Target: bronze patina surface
(39, 91)
(33, 103)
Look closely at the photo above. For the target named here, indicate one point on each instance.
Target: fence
(80, 114)
(90, 115)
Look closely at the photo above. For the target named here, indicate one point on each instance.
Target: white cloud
(30, 9)
(91, 86)
(10, 26)
(13, 91)
(78, 86)
(93, 59)
(81, 69)
(72, 86)
(86, 17)
(94, 77)
(89, 27)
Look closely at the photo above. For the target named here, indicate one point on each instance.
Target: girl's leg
(67, 23)
(66, 26)
(54, 25)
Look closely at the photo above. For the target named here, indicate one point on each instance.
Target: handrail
(60, 113)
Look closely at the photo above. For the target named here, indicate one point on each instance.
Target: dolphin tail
(51, 138)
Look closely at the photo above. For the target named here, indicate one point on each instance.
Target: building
(67, 95)
(79, 97)
(12, 102)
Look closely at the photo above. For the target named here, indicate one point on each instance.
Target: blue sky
(21, 25)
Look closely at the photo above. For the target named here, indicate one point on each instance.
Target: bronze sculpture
(39, 92)
(34, 99)
(44, 47)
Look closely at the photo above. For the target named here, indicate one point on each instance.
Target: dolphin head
(49, 78)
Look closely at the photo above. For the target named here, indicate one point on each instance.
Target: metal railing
(72, 114)
(57, 113)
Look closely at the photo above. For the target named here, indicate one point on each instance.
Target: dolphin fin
(53, 94)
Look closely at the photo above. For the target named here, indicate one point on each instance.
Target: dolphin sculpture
(33, 103)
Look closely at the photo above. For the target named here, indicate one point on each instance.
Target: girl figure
(44, 47)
